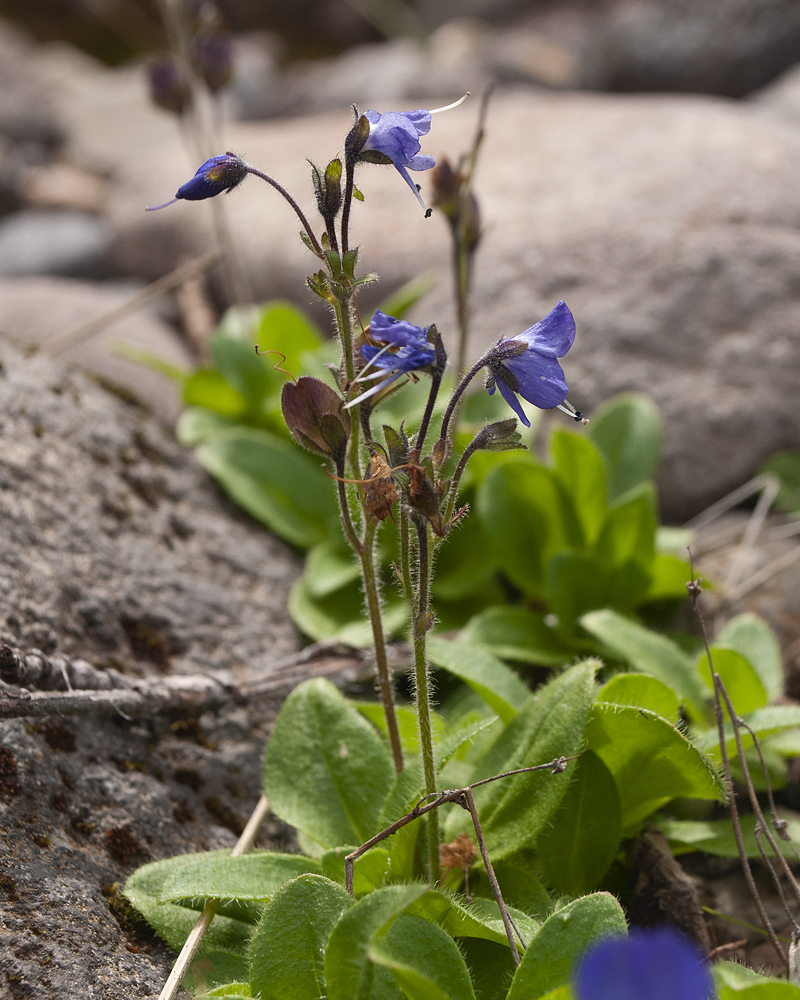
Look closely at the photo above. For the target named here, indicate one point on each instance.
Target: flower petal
(553, 335)
(511, 399)
(389, 330)
(540, 379)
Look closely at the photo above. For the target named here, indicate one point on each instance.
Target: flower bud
(314, 414)
(212, 57)
(169, 88)
(500, 436)
(356, 138)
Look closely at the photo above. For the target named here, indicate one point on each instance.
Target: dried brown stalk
(463, 797)
(74, 687)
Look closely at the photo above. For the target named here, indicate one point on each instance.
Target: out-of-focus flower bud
(316, 417)
(169, 88)
(212, 57)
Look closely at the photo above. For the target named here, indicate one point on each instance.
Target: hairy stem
(372, 595)
(349, 180)
(458, 393)
(422, 692)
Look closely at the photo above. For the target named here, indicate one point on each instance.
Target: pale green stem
(374, 608)
(423, 693)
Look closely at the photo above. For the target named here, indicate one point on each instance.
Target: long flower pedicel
(413, 352)
(528, 365)
(220, 173)
(658, 964)
(395, 135)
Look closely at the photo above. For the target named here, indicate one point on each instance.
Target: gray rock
(69, 244)
(782, 95)
(117, 548)
(35, 310)
(728, 47)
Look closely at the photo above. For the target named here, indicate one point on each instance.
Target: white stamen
(450, 107)
(371, 377)
(372, 391)
(374, 358)
(569, 409)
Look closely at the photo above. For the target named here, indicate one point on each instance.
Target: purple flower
(413, 352)
(528, 365)
(220, 173)
(395, 135)
(657, 964)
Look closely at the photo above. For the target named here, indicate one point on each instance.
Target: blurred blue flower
(528, 365)
(220, 173)
(656, 964)
(395, 135)
(413, 352)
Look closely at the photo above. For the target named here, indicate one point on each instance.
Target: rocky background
(641, 161)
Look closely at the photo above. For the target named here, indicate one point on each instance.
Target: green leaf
(275, 482)
(520, 884)
(716, 836)
(668, 578)
(577, 583)
(736, 982)
(500, 687)
(207, 388)
(349, 972)
(217, 875)
(763, 721)
(329, 567)
(212, 967)
(582, 838)
(244, 371)
(642, 691)
(287, 953)
(491, 965)
(754, 639)
(514, 633)
(197, 425)
(480, 919)
(580, 469)
(628, 532)
(369, 871)
(326, 770)
(652, 761)
(550, 724)
(627, 432)
(786, 466)
(424, 960)
(406, 722)
(528, 518)
(649, 653)
(550, 958)
(464, 565)
(230, 991)
(740, 679)
(339, 615)
(282, 327)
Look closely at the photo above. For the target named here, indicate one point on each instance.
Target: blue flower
(220, 173)
(413, 352)
(528, 365)
(395, 135)
(657, 964)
